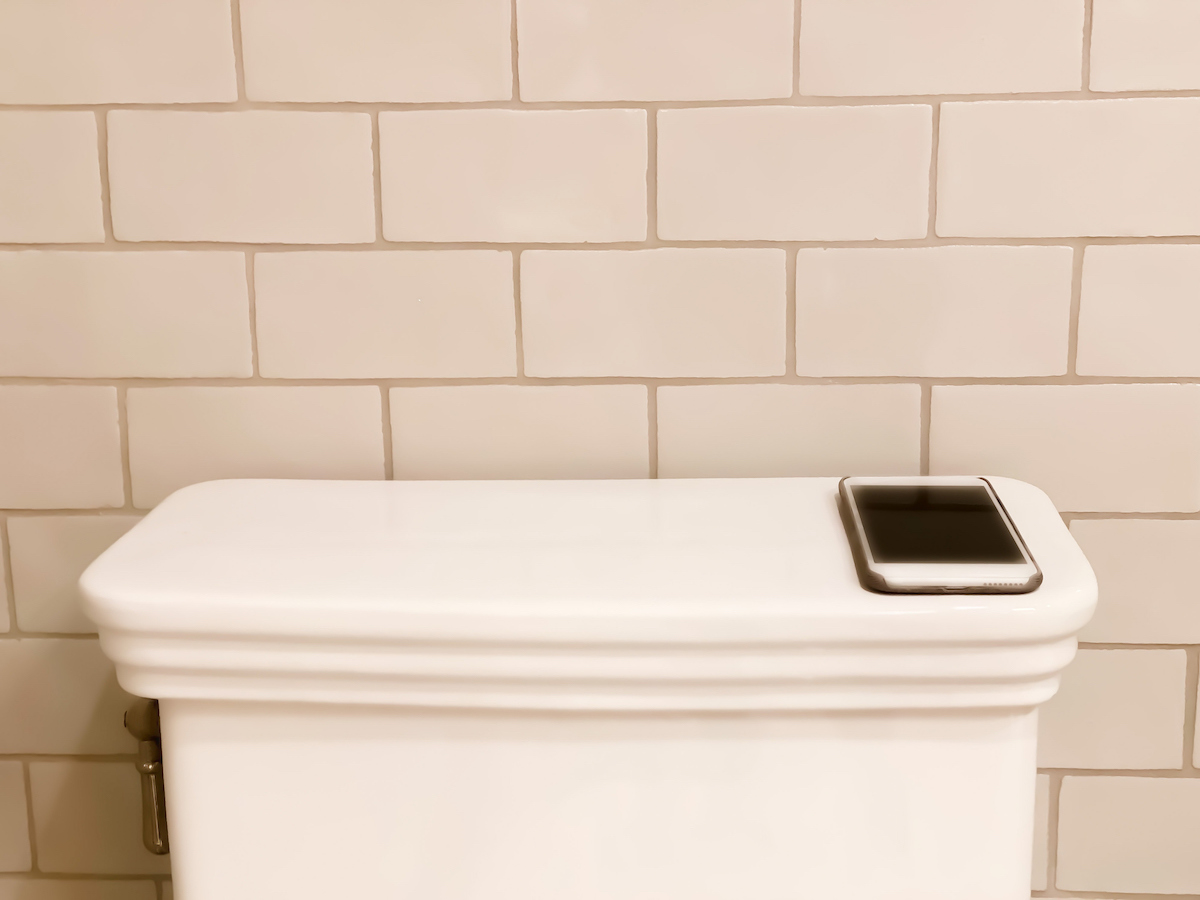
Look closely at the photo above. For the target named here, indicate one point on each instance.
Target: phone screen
(934, 524)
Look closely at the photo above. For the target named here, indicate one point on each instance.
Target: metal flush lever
(141, 720)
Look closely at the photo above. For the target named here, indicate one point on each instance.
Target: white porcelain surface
(717, 594)
(578, 689)
(368, 802)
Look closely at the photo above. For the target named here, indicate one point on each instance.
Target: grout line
(790, 301)
(802, 100)
(1191, 750)
(16, 634)
(739, 244)
(123, 431)
(796, 18)
(377, 176)
(1076, 297)
(252, 303)
(1085, 75)
(514, 52)
(652, 236)
(652, 428)
(33, 848)
(518, 329)
(17, 877)
(239, 64)
(6, 583)
(931, 233)
(386, 407)
(446, 381)
(69, 757)
(926, 421)
(1052, 831)
(105, 189)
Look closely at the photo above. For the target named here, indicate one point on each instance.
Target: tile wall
(603, 238)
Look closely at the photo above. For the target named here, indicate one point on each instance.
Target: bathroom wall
(603, 238)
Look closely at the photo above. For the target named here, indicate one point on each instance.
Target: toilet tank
(578, 690)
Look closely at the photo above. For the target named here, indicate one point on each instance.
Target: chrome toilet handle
(141, 720)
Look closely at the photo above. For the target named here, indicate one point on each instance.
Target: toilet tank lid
(725, 561)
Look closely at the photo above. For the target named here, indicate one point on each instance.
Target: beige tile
(783, 173)
(754, 430)
(59, 448)
(507, 431)
(660, 313)
(5, 622)
(377, 50)
(14, 824)
(1105, 448)
(88, 818)
(159, 314)
(60, 696)
(168, 890)
(74, 889)
(49, 176)
(49, 553)
(181, 435)
(1041, 833)
(1147, 574)
(1140, 310)
(1116, 709)
(119, 51)
(1145, 45)
(1129, 835)
(501, 175)
(879, 47)
(252, 176)
(411, 314)
(655, 49)
(933, 311)
(1063, 167)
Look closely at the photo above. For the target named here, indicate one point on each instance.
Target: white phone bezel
(938, 577)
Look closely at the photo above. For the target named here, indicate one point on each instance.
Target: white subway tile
(60, 696)
(1110, 448)
(514, 175)
(794, 174)
(1145, 45)
(118, 51)
(1116, 709)
(182, 435)
(1147, 575)
(158, 314)
(933, 311)
(655, 49)
(1059, 168)
(88, 818)
(1138, 313)
(879, 47)
(409, 314)
(1129, 835)
(59, 447)
(49, 177)
(1041, 833)
(658, 313)
(49, 553)
(14, 825)
(75, 889)
(377, 50)
(752, 430)
(510, 431)
(253, 176)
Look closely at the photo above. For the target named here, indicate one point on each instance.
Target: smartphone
(934, 534)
